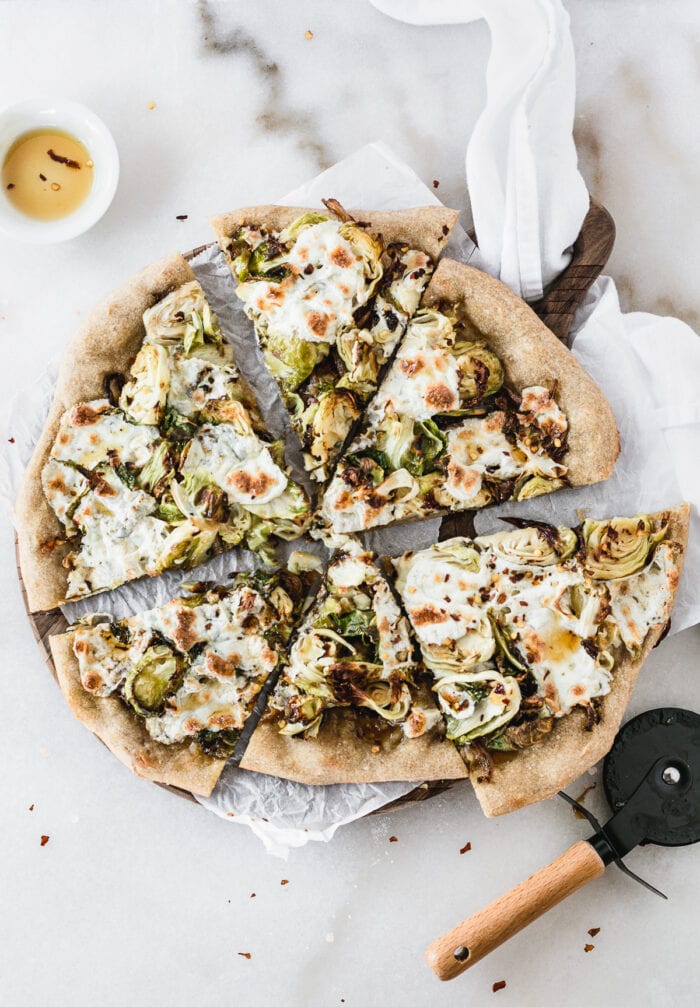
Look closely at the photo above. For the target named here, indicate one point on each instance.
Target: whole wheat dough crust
(182, 765)
(107, 342)
(339, 755)
(532, 355)
(426, 228)
(553, 763)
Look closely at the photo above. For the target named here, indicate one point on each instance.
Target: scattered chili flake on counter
(393, 839)
(245, 954)
(44, 840)
(284, 881)
(252, 895)
(308, 34)
(466, 848)
(588, 947)
(181, 216)
(151, 105)
(10, 440)
(594, 931)
(500, 985)
(436, 183)
(31, 807)
(581, 798)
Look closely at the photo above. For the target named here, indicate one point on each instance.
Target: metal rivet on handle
(671, 775)
(461, 953)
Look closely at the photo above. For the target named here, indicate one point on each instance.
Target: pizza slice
(352, 704)
(534, 638)
(481, 404)
(154, 455)
(330, 295)
(170, 690)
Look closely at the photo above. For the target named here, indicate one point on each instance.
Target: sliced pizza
(351, 704)
(481, 404)
(534, 638)
(330, 294)
(170, 690)
(170, 465)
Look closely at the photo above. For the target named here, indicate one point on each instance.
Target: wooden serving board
(556, 308)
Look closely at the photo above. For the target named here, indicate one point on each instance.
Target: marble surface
(139, 897)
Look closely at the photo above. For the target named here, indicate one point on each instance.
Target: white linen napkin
(528, 198)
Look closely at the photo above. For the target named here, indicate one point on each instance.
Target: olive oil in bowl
(47, 174)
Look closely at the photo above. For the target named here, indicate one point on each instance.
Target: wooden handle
(476, 937)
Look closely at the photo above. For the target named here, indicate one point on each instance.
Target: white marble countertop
(139, 897)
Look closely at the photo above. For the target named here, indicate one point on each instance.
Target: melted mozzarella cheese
(89, 431)
(475, 448)
(644, 600)
(317, 302)
(541, 409)
(63, 486)
(195, 381)
(102, 663)
(237, 461)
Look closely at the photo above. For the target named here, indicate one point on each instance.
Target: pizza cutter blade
(651, 778)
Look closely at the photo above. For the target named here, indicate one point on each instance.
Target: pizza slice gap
(330, 293)
(481, 404)
(352, 704)
(534, 638)
(169, 691)
(154, 455)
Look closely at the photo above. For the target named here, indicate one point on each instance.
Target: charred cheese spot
(84, 415)
(221, 667)
(251, 485)
(427, 615)
(92, 681)
(222, 721)
(341, 257)
(440, 398)
(184, 635)
(411, 367)
(318, 323)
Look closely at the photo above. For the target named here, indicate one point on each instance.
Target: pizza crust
(553, 763)
(181, 765)
(107, 341)
(532, 355)
(426, 228)
(338, 755)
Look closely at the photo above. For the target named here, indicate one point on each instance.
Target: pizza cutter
(651, 778)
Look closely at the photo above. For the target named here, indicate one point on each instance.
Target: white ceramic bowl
(73, 118)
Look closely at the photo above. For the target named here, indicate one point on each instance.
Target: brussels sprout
(473, 713)
(217, 744)
(157, 472)
(515, 738)
(356, 623)
(290, 234)
(201, 327)
(143, 398)
(536, 486)
(429, 445)
(306, 715)
(395, 438)
(480, 370)
(187, 545)
(237, 525)
(379, 697)
(289, 505)
(359, 355)
(535, 545)
(503, 643)
(177, 427)
(367, 247)
(151, 679)
(291, 359)
(168, 511)
(332, 421)
(619, 547)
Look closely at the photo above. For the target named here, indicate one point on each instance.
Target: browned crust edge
(426, 228)
(107, 341)
(125, 735)
(538, 772)
(532, 355)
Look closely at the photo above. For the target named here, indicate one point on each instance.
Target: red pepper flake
(44, 840)
(284, 881)
(500, 985)
(60, 159)
(10, 440)
(308, 34)
(435, 183)
(31, 807)
(393, 839)
(42, 177)
(245, 954)
(181, 216)
(594, 931)
(588, 947)
(466, 848)
(252, 895)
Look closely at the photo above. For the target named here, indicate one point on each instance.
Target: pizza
(481, 404)
(169, 691)
(170, 465)
(534, 638)
(330, 295)
(352, 703)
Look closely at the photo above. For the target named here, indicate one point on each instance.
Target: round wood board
(556, 309)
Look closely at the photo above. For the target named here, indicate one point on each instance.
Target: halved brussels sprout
(217, 744)
(536, 545)
(477, 703)
(332, 420)
(480, 370)
(290, 505)
(151, 679)
(367, 247)
(202, 326)
(187, 545)
(143, 398)
(379, 697)
(157, 472)
(504, 643)
(291, 359)
(236, 526)
(307, 715)
(177, 427)
(619, 547)
(359, 355)
(515, 738)
(290, 234)
(536, 486)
